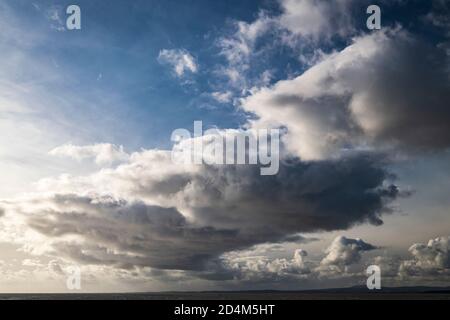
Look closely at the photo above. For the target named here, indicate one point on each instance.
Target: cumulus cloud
(344, 251)
(386, 90)
(298, 21)
(258, 268)
(102, 153)
(389, 265)
(431, 259)
(307, 19)
(238, 48)
(180, 60)
(342, 261)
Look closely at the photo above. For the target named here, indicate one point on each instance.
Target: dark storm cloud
(230, 208)
(303, 197)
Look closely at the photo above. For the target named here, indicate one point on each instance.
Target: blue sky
(121, 42)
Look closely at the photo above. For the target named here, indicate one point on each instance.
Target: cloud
(386, 90)
(317, 19)
(222, 97)
(298, 21)
(102, 153)
(151, 212)
(432, 259)
(260, 268)
(343, 258)
(238, 48)
(342, 261)
(438, 15)
(105, 231)
(344, 251)
(180, 60)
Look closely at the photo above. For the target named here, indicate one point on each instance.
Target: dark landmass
(353, 293)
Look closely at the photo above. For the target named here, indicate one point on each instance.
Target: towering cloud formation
(344, 251)
(429, 260)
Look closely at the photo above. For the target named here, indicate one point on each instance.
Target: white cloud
(102, 153)
(180, 60)
(222, 97)
(316, 19)
(429, 259)
(344, 251)
(262, 268)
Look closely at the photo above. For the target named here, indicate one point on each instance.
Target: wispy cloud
(180, 60)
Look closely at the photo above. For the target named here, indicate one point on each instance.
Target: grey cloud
(386, 90)
(129, 234)
(214, 210)
(388, 264)
(439, 15)
(180, 60)
(102, 153)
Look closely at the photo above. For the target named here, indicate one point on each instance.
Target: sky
(86, 118)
